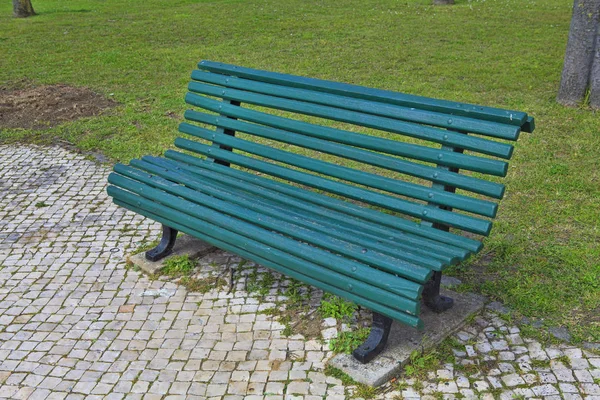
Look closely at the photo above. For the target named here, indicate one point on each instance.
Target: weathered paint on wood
(320, 222)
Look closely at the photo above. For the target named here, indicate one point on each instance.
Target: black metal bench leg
(376, 341)
(432, 297)
(165, 247)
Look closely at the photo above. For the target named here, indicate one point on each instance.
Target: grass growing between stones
(339, 374)
(335, 307)
(347, 342)
(297, 315)
(182, 268)
(542, 256)
(294, 312)
(202, 285)
(178, 266)
(360, 390)
(420, 364)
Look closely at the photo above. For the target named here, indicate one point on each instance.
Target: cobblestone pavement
(75, 322)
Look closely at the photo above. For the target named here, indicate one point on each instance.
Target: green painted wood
(487, 128)
(460, 221)
(257, 254)
(366, 254)
(417, 152)
(465, 182)
(432, 134)
(344, 207)
(411, 190)
(510, 117)
(221, 188)
(371, 257)
(337, 275)
(288, 198)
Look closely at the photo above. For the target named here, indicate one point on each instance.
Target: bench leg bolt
(376, 341)
(165, 247)
(431, 295)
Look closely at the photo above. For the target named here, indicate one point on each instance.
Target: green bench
(366, 208)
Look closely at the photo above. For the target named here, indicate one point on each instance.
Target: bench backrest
(424, 140)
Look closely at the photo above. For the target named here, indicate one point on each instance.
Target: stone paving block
(185, 245)
(75, 323)
(403, 340)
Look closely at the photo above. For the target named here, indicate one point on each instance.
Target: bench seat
(381, 240)
(399, 262)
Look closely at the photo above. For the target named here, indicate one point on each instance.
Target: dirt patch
(308, 325)
(44, 107)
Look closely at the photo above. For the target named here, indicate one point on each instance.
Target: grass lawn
(543, 257)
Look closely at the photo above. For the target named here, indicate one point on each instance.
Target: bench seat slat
(428, 213)
(432, 134)
(364, 254)
(477, 206)
(487, 128)
(220, 188)
(510, 117)
(343, 207)
(278, 261)
(344, 269)
(391, 163)
(417, 152)
(289, 199)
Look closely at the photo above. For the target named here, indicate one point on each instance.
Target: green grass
(203, 285)
(178, 266)
(542, 257)
(361, 390)
(347, 342)
(335, 307)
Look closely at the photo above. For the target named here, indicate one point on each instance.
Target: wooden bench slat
(433, 174)
(510, 117)
(413, 151)
(423, 132)
(278, 261)
(460, 221)
(213, 184)
(346, 207)
(365, 254)
(473, 125)
(441, 197)
(345, 270)
(290, 197)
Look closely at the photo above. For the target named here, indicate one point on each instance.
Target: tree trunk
(22, 8)
(442, 2)
(595, 75)
(579, 56)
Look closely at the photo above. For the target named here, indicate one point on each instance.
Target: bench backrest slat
(433, 174)
(438, 146)
(460, 221)
(510, 117)
(398, 148)
(472, 125)
(419, 192)
(433, 134)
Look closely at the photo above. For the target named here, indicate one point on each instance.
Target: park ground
(77, 321)
(542, 259)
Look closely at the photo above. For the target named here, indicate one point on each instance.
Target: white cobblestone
(75, 323)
